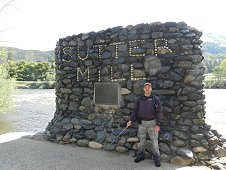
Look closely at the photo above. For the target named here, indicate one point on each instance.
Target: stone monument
(99, 75)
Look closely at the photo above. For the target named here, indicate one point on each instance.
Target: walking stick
(119, 134)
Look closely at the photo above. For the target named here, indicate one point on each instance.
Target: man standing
(147, 110)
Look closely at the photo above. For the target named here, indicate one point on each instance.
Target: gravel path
(30, 154)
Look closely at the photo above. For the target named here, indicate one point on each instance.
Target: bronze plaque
(107, 93)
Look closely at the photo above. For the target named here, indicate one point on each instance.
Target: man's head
(147, 89)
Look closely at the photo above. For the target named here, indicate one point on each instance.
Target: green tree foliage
(211, 62)
(31, 71)
(218, 72)
(6, 84)
(6, 92)
(223, 67)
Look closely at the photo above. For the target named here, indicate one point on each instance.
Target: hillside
(31, 55)
(212, 45)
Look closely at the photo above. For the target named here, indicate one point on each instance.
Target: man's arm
(158, 112)
(134, 114)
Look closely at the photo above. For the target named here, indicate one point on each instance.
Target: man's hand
(129, 123)
(157, 128)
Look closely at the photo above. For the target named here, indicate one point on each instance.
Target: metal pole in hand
(119, 134)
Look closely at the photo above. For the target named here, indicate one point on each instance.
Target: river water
(33, 109)
(216, 109)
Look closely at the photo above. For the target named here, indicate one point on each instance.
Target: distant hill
(212, 45)
(31, 55)
(213, 48)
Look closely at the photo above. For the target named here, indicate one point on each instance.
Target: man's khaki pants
(144, 127)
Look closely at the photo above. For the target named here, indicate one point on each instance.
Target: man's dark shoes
(156, 159)
(157, 164)
(140, 156)
(138, 159)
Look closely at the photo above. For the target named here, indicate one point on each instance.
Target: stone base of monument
(211, 146)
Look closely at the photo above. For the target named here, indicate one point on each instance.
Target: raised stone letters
(158, 44)
(134, 50)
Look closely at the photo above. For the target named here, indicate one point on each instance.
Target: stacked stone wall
(166, 54)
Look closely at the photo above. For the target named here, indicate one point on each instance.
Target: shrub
(6, 90)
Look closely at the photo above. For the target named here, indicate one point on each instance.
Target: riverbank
(35, 84)
(212, 82)
(209, 84)
(39, 154)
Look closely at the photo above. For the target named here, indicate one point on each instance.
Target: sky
(39, 24)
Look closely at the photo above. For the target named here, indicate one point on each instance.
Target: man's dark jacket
(147, 108)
